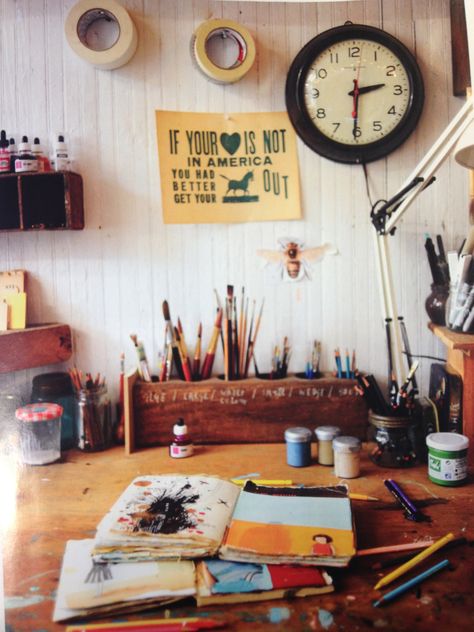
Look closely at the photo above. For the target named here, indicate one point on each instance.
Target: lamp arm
(433, 159)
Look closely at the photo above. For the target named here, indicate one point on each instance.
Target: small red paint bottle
(182, 445)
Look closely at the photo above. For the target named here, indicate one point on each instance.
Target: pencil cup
(396, 440)
(435, 304)
(94, 419)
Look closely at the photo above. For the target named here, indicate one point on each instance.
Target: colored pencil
(400, 559)
(410, 583)
(149, 625)
(251, 347)
(393, 548)
(414, 561)
(355, 496)
(262, 481)
(185, 364)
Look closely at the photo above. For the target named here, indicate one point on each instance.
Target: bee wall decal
(292, 262)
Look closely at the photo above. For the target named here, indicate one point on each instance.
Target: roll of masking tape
(102, 33)
(242, 44)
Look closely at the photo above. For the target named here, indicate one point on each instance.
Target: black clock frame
(301, 120)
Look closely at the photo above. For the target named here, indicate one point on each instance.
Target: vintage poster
(227, 167)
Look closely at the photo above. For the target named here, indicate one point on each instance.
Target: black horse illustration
(239, 185)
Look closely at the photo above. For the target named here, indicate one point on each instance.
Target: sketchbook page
(86, 587)
(288, 524)
(173, 514)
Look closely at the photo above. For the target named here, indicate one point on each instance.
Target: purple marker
(413, 513)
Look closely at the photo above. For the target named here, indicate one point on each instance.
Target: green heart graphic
(230, 142)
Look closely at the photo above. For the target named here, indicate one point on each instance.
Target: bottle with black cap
(43, 161)
(26, 161)
(182, 445)
(60, 158)
(13, 153)
(4, 155)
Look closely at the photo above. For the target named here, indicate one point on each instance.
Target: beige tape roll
(102, 33)
(223, 28)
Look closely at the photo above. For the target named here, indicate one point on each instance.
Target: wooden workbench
(66, 500)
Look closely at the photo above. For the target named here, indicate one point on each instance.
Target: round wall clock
(354, 93)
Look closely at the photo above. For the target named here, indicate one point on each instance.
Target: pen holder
(396, 440)
(94, 419)
(459, 311)
(435, 304)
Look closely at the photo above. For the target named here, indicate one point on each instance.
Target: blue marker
(393, 594)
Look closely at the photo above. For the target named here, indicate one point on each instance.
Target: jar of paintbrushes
(93, 415)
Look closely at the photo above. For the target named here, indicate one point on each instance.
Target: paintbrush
(242, 338)
(174, 346)
(240, 333)
(142, 360)
(228, 334)
(211, 350)
(185, 364)
(197, 354)
(254, 339)
(219, 306)
(249, 339)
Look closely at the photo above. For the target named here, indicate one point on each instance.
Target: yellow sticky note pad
(3, 315)
(16, 309)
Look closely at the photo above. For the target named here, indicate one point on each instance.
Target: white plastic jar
(346, 457)
(447, 458)
(325, 436)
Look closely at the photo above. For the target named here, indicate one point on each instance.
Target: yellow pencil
(260, 481)
(414, 561)
(355, 496)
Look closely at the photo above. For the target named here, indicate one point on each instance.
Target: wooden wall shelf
(460, 357)
(37, 345)
(41, 201)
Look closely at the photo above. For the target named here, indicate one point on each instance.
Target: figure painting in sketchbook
(292, 261)
(322, 545)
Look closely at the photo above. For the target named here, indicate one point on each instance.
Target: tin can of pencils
(94, 419)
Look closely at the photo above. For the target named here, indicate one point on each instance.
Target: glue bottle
(182, 445)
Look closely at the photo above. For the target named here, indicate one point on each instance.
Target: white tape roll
(102, 33)
(238, 35)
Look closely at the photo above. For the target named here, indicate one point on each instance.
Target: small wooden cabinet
(41, 201)
(460, 357)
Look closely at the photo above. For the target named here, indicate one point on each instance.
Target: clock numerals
(354, 93)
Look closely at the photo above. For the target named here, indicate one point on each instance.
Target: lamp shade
(464, 151)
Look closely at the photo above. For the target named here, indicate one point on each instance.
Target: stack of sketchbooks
(171, 537)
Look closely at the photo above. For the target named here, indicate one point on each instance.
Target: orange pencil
(197, 354)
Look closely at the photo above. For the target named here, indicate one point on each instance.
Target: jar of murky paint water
(298, 446)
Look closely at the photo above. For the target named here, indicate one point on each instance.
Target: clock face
(354, 93)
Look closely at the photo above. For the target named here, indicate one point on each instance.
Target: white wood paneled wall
(110, 279)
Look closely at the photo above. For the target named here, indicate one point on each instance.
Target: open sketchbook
(88, 589)
(177, 516)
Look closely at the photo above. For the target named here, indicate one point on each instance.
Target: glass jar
(460, 309)
(396, 440)
(325, 436)
(94, 419)
(40, 433)
(298, 446)
(347, 457)
(57, 388)
(435, 304)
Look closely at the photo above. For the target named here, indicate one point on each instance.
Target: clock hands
(365, 89)
(355, 105)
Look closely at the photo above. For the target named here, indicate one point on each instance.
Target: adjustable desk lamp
(386, 218)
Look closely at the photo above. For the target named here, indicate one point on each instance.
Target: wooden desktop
(47, 505)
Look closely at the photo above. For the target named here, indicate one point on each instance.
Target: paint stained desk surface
(66, 500)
